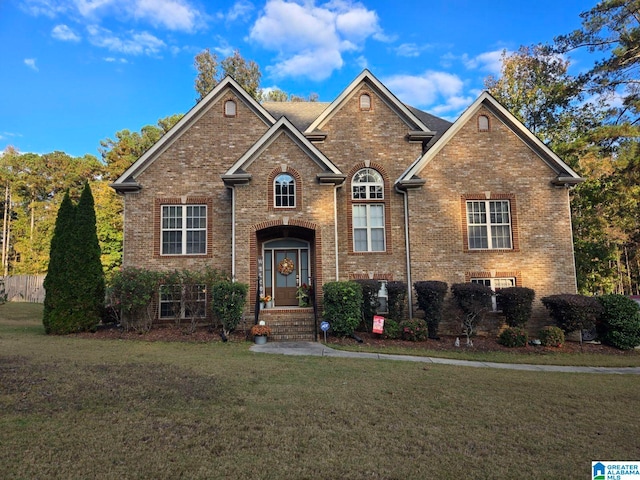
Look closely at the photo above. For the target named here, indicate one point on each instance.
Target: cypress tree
(88, 284)
(75, 281)
(59, 296)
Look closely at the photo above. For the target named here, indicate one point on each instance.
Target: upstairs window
(229, 108)
(184, 230)
(284, 193)
(483, 123)
(489, 224)
(368, 211)
(365, 102)
(367, 184)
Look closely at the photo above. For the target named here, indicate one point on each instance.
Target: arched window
(284, 193)
(229, 108)
(368, 207)
(365, 102)
(483, 123)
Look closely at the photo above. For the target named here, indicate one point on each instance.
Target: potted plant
(265, 301)
(260, 332)
(304, 295)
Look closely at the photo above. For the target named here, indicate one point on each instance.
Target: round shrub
(619, 323)
(551, 336)
(513, 337)
(515, 303)
(414, 330)
(391, 329)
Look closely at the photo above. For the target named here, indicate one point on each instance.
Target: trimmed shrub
(131, 294)
(227, 301)
(513, 337)
(515, 303)
(369, 302)
(551, 336)
(342, 303)
(474, 300)
(430, 297)
(391, 329)
(397, 297)
(573, 312)
(619, 323)
(414, 330)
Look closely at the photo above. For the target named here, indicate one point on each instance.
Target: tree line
(591, 120)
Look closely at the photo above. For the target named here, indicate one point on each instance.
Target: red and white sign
(378, 324)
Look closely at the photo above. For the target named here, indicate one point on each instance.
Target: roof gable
(127, 182)
(238, 172)
(406, 115)
(565, 175)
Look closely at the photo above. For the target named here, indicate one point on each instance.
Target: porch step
(290, 324)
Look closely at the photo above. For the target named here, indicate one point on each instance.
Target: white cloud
(64, 33)
(137, 44)
(241, 10)
(115, 60)
(176, 15)
(489, 61)
(31, 63)
(440, 91)
(310, 40)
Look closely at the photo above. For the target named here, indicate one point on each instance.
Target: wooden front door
(287, 275)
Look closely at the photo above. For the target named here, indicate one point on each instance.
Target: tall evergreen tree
(75, 282)
(88, 284)
(58, 300)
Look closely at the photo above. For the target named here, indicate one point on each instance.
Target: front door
(287, 276)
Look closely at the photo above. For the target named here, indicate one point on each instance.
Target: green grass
(80, 408)
(623, 359)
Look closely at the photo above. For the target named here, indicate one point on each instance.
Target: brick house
(280, 194)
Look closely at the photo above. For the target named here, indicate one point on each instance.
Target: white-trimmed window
(365, 102)
(383, 297)
(230, 108)
(368, 218)
(178, 301)
(284, 193)
(496, 284)
(489, 224)
(367, 184)
(483, 123)
(184, 230)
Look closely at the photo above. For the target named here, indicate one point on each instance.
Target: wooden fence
(24, 288)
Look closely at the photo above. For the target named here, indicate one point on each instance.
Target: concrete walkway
(317, 349)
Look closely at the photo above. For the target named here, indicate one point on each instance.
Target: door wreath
(286, 266)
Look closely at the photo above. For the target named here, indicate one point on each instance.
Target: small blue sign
(324, 326)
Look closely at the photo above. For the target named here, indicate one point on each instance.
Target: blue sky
(75, 72)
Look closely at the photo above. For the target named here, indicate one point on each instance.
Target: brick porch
(290, 324)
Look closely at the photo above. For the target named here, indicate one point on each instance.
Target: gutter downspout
(407, 249)
(335, 229)
(233, 232)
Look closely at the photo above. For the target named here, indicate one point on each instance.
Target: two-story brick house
(280, 194)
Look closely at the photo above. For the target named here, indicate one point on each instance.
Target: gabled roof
(413, 122)
(127, 181)
(565, 175)
(237, 174)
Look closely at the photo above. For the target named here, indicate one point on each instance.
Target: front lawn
(83, 408)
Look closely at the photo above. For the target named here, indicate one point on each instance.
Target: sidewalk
(317, 349)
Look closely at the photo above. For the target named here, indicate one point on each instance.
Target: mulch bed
(174, 333)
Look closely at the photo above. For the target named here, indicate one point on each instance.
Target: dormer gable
(127, 181)
(565, 176)
(416, 130)
(238, 174)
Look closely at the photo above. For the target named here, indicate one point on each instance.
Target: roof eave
(126, 187)
(566, 181)
(236, 179)
(331, 178)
